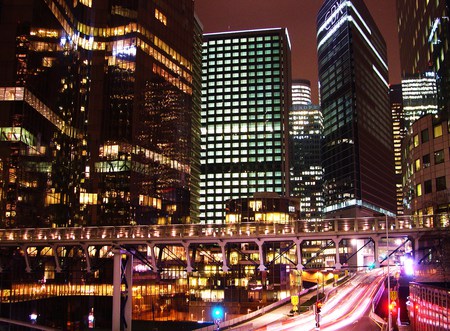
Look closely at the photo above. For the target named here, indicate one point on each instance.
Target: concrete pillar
(27, 258)
(117, 281)
(338, 264)
(375, 252)
(128, 295)
(153, 257)
(188, 257)
(298, 245)
(225, 267)
(262, 257)
(55, 254)
(88, 258)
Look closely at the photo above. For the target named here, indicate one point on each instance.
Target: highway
(347, 308)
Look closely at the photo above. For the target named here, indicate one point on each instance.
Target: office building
(306, 128)
(100, 113)
(399, 132)
(246, 94)
(357, 148)
(420, 97)
(424, 42)
(301, 92)
(426, 171)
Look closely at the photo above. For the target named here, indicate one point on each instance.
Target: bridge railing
(146, 232)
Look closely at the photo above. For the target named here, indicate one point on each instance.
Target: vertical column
(298, 245)
(375, 252)
(416, 249)
(27, 258)
(188, 257)
(225, 267)
(153, 257)
(55, 254)
(117, 281)
(262, 257)
(128, 295)
(338, 264)
(88, 258)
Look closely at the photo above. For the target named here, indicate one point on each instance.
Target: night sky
(299, 16)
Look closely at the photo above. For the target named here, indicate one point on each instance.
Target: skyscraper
(99, 112)
(424, 42)
(305, 131)
(420, 98)
(245, 107)
(301, 92)
(358, 147)
(399, 132)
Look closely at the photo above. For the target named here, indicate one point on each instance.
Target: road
(346, 310)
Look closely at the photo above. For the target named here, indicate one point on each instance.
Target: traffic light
(393, 307)
(319, 305)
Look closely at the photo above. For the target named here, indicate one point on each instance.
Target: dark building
(100, 112)
(424, 47)
(357, 148)
(245, 117)
(424, 42)
(399, 132)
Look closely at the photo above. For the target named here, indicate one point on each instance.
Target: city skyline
(300, 20)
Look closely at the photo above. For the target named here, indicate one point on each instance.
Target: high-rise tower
(245, 108)
(99, 112)
(305, 131)
(358, 147)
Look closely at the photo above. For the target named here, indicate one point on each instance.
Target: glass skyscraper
(100, 115)
(357, 148)
(245, 107)
(305, 131)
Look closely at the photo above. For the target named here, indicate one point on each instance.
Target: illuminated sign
(335, 12)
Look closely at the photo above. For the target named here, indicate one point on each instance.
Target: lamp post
(389, 276)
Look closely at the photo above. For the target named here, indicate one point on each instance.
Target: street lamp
(389, 276)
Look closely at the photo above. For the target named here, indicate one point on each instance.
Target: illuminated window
(160, 17)
(437, 130)
(417, 164)
(419, 189)
(416, 140)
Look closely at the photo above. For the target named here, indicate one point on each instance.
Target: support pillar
(27, 259)
(128, 294)
(225, 267)
(88, 258)
(338, 264)
(122, 305)
(188, 257)
(416, 250)
(375, 252)
(55, 254)
(153, 257)
(117, 282)
(298, 245)
(262, 257)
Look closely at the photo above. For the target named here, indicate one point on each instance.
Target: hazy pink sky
(299, 16)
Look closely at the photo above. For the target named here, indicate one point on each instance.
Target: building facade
(99, 113)
(399, 132)
(426, 172)
(306, 128)
(245, 107)
(357, 156)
